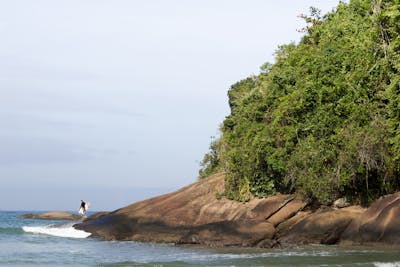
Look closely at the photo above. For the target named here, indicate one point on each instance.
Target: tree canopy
(324, 119)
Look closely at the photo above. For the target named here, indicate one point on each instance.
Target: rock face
(324, 226)
(379, 224)
(53, 215)
(194, 215)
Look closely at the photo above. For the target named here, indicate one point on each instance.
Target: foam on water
(63, 230)
(387, 264)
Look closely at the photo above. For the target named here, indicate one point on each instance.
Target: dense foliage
(324, 119)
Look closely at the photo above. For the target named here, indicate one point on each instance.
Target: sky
(117, 101)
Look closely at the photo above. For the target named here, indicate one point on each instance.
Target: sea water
(30, 242)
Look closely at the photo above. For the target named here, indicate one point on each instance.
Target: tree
(324, 119)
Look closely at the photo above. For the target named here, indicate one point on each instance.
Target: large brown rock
(194, 215)
(191, 215)
(52, 215)
(380, 223)
(290, 209)
(229, 233)
(322, 226)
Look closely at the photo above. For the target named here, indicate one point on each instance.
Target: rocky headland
(52, 215)
(197, 215)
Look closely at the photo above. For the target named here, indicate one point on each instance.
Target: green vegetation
(324, 119)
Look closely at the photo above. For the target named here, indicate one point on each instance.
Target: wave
(60, 230)
(387, 264)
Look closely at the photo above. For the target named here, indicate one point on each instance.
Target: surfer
(82, 208)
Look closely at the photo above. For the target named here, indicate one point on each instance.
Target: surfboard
(81, 211)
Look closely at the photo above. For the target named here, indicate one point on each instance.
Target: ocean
(30, 242)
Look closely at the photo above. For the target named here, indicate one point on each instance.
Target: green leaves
(324, 119)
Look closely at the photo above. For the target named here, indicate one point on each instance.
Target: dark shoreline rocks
(194, 215)
(52, 215)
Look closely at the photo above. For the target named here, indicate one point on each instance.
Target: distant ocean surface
(29, 242)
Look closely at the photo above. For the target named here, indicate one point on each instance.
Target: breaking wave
(387, 264)
(61, 230)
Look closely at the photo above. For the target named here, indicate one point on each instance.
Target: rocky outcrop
(52, 215)
(379, 224)
(194, 215)
(323, 226)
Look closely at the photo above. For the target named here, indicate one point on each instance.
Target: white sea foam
(65, 230)
(387, 264)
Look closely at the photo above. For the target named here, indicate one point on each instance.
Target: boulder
(322, 226)
(195, 215)
(290, 209)
(52, 215)
(380, 223)
(191, 215)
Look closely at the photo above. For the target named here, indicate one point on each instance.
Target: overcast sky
(116, 101)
